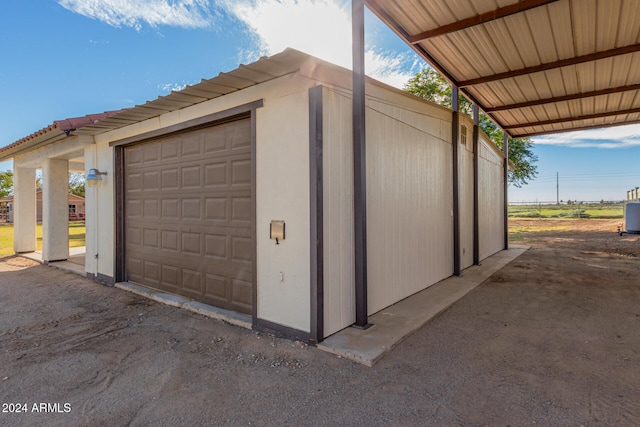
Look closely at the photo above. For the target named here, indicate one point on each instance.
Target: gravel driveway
(551, 339)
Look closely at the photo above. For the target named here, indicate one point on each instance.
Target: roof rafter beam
(421, 51)
(564, 98)
(552, 65)
(573, 129)
(574, 118)
(501, 12)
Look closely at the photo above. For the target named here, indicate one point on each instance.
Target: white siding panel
(337, 158)
(409, 207)
(465, 195)
(490, 200)
(282, 193)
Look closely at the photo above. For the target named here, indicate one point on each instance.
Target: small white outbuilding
(238, 192)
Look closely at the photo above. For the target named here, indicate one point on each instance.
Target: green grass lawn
(76, 237)
(566, 211)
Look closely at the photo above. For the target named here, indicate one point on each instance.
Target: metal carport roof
(534, 66)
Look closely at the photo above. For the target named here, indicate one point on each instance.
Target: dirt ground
(551, 339)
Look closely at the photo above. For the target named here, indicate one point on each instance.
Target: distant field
(566, 211)
(76, 237)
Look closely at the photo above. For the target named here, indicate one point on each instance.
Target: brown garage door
(188, 220)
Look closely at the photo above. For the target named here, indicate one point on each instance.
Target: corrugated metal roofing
(58, 128)
(534, 66)
(265, 69)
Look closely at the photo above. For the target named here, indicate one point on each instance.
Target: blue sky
(69, 58)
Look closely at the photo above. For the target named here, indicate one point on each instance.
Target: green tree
(76, 184)
(430, 85)
(6, 183)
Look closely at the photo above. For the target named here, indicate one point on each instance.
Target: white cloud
(135, 13)
(613, 137)
(172, 87)
(321, 28)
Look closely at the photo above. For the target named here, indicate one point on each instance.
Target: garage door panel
(241, 209)
(169, 149)
(241, 294)
(150, 238)
(191, 145)
(169, 240)
(241, 249)
(151, 271)
(134, 267)
(150, 153)
(239, 137)
(217, 287)
(215, 174)
(134, 156)
(170, 277)
(134, 209)
(241, 172)
(134, 235)
(188, 215)
(214, 265)
(151, 180)
(211, 264)
(191, 243)
(169, 179)
(134, 182)
(203, 227)
(151, 208)
(216, 140)
(216, 246)
(170, 208)
(191, 177)
(192, 281)
(191, 209)
(216, 208)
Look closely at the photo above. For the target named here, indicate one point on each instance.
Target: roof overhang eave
(34, 144)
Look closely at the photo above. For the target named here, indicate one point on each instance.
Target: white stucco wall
(55, 210)
(282, 187)
(24, 208)
(100, 212)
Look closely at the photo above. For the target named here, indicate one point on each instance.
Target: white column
(55, 210)
(24, 209)
(91, 211)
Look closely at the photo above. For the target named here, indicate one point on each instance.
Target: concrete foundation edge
(227, 316)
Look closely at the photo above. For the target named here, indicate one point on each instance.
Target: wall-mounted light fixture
(94, 177)
(276, 231)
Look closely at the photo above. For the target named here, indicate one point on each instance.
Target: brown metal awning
(534, 66)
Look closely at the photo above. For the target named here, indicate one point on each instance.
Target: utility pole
(558, 188)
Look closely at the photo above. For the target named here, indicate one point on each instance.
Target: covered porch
(56, 151)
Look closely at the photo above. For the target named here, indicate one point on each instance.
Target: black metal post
(359, 164)
(455, 130)
(506, 189)
(476, 186)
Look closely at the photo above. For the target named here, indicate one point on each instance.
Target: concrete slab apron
(395, 323)
(74, 264)
(231, 317)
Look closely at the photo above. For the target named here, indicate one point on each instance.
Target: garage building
(201, 182)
